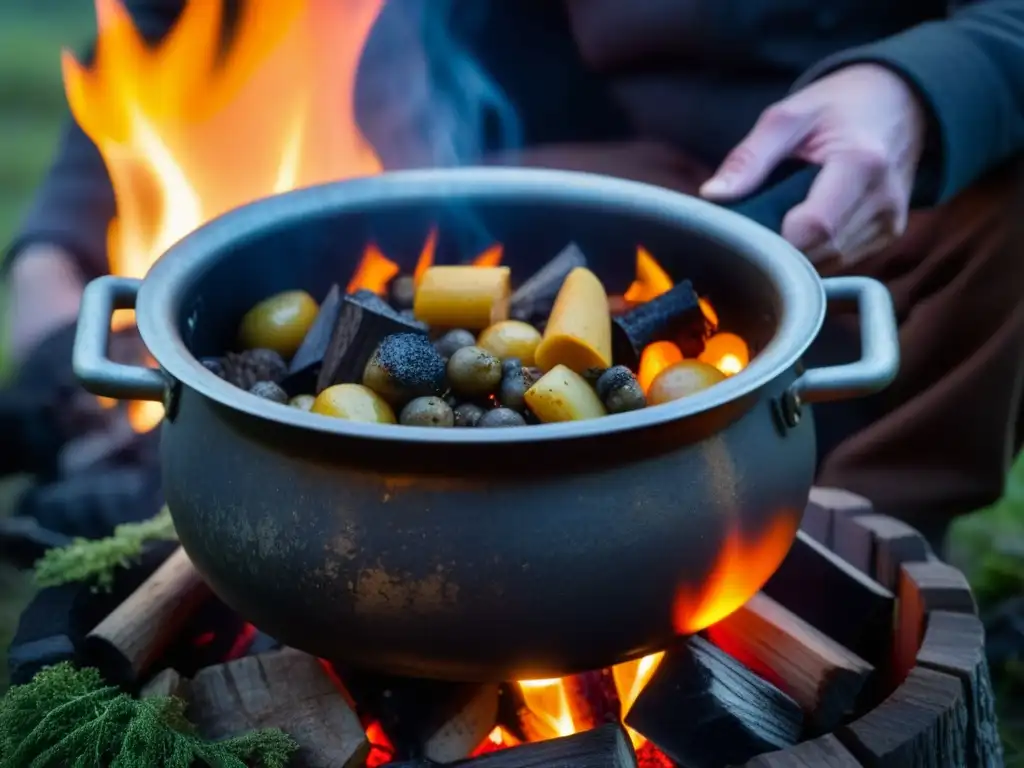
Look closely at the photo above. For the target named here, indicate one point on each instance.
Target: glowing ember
(656, 358)
(496, 740)
(740, 571)
(727, 352)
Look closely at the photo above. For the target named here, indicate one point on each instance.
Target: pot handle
(879, 341)
(96, 372)
(769, 205)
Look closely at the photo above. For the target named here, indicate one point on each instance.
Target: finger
(776, 134)
(844, 184)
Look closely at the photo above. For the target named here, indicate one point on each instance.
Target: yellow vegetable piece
(684, 378)
(463, 297)
(279, 323)
(353, 402)
(511, 338)
(561, 394)
(579, 331)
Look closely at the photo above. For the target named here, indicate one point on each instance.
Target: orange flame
(630, 679)
(740, 571)
(656, 358)
(426, 259)
(548, 700)
(188, 131)
(490, 257)
(651, 279)
(373, 272)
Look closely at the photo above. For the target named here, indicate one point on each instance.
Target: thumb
(776, 134)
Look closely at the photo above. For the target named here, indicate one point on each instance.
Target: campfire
(189, 131)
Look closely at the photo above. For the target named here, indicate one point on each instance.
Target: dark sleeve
(969, 68)
(73, 206)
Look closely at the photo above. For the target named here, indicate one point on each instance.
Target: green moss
(97, 560)
(69, 717)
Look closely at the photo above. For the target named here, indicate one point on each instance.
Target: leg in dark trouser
(937, 442)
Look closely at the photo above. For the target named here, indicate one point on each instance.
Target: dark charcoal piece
(620, 391)
(402, 292)
(704, 709)
(364, 321)
(537, 294)
(243, 369)
(676, 312)
(409, 710)
(310, 353)
(604, 747)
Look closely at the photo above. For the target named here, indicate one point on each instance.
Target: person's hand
(865, 126)
(45, 291)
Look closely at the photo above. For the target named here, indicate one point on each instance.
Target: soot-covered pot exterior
(493, 564)
(483, 554)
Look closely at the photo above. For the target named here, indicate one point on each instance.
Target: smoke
(422, 98)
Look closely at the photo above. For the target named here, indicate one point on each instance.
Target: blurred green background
(989, 545)
(32, 106)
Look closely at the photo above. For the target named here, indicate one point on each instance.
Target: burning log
(851, 608)
(284, 689)
(310, 354)
(433, 719)
(536, 296)
(922, 725)
(578, 332)
(604, 747)
(593, 699)
(462, 733)
(954, 644)
(677, 310)
(704, 709)
(463, 297)
(822, 676)
(363, 321)
(126, 643)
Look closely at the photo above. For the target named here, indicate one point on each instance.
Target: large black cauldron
(482, 554)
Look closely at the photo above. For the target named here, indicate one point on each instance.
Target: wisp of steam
(422, 99)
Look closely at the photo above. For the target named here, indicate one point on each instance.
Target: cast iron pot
(489, 554)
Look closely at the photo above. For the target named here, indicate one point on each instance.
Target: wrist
(45, 291)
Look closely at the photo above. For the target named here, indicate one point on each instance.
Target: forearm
(969, 71)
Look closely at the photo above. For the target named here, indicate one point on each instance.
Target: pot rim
(171, 279)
